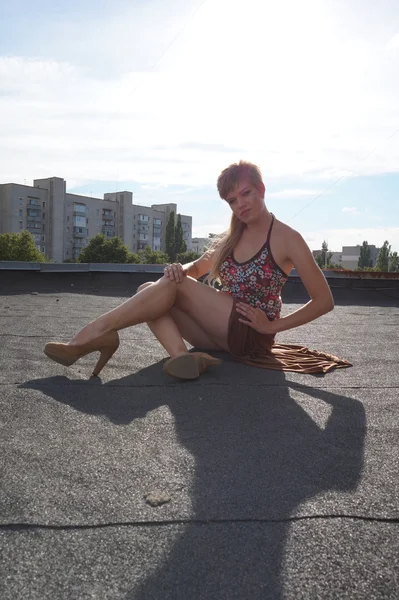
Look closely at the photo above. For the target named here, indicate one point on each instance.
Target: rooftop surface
(278, 485)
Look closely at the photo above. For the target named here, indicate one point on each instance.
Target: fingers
(174, 272)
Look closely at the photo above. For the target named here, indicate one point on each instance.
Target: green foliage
(382, 263)
(180, 244)
(323, 259)
(394, 262)
(187, 257)
(101, 249)
(365, 256)
(170, 237)
(148, 256)
(19, 246)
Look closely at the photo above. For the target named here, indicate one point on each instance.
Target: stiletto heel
(67, 354)
(106, 354)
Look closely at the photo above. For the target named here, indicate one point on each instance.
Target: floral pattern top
(257, 281)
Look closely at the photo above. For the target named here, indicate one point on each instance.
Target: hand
(174, 272)
(255, 318)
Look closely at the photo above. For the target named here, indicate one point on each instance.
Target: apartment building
(63, 223)
(200, 244)
(351, 255)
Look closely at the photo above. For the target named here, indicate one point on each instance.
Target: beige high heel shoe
(66, 355)
(191, 365)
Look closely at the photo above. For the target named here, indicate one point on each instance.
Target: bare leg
(170, 328)
(168, 334)
(148, 304)
(202, 316)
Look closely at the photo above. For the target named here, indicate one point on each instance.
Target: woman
(252, 260)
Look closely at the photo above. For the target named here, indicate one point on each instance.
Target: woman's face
(247, 201)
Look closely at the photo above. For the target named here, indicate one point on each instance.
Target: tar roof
(277, 485)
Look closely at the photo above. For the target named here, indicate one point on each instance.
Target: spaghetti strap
(270, 231)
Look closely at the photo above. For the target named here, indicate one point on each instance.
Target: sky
(158, 96)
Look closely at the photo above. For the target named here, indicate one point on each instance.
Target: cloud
(393, 43)
(351, 210)
(294, 193)
(185, 120)
(336, 238)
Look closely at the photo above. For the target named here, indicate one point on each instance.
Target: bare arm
(196, 269)
(315, 283)
(199, 267)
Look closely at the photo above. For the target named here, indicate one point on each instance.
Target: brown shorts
(256, 349)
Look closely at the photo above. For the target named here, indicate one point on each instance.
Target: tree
(148, 256)
(170, 237)
(180, 244)
(394, 262)
(103, 250)
(382, 263)
(323, 259)
(365, 256)
(19, 246)
(187, 257)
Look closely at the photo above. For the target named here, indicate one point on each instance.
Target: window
(67, 218)
(20, 212)
(44, 205)
(67, 229)
(157, 222)
(145, 218)
(20, 224)
(98, 213)
(43, 238)
(20, 201)
(43, 249)
(44, 215)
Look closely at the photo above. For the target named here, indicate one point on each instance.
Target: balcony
(107, 215)
(33, 225)
(80, 232)
(34, 214)
(79, 213)
(108, 231)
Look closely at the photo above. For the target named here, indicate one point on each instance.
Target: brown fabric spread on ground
(252, 348)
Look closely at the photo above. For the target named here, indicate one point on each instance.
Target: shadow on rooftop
(258, 458)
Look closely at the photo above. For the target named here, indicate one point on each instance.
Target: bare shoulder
(289, 240)
(293, 240)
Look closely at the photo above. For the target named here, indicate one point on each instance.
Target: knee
(144, 285)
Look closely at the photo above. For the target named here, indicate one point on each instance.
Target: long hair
(225, 243)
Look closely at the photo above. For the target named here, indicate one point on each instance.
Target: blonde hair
(228, 179)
